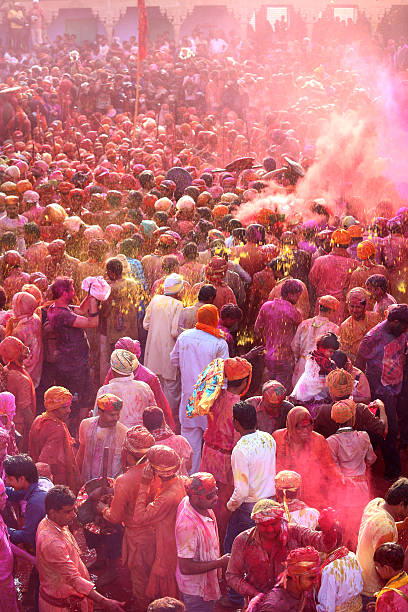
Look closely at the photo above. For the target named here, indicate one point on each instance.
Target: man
(8, 595)
(258, 554)
(382, 356)
(161, 322)
(330, 274)
(304, 340)
(193, 351)
(381, 522)
(72, 349)
(188, 316)
(198, 548)
(216, 274)
(282, 317)
(138, 541)
(64, 579)
(294, 591)
(135, 394)
(37, 249)
(59, 263)
(360, 321)
(23, 484)
(389, 565)
(377, 286)
(294, 259)
(98, 432)
(160, 513)
(361, 391)
(13, 222)
(288, 491)
(271, 407)
(368, 266)
(50, 441)
(166, 604)
(341, 386)
(253, 462)
(281, 275)
(94, 265)
(153, 420)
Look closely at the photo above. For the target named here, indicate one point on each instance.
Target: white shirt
(253, 462)
(341, 581)
(136, 396)
(193, 351)
(161, 321)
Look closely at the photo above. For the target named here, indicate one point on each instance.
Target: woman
(7, 414)
(26, 326)
(306, 452)
(145, 375)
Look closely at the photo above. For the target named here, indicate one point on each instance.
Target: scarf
(162, 433)
(325, 364)
(110, 441)
(214, 331)
(394, 584)
(338, 553)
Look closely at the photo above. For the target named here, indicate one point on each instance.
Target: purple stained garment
(276, 323)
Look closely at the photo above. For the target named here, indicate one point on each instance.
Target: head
(23, 304)
(343, 412)
(238, 372)
(340, 384)
(202, 491)
(114, 269)
(60, 505)
(13, 350)
(164, 461)
(291, 290)
(109, 407)
(268, 517)
(327, 343)
(389, 560)
(12, 207)
(63, 289)
(173, 284)
(57, 402)
(302, 570)
(137, 442)
(357, 299)
(377, 286)
(287, 484)
(273, 395)
(328, 306)
(397, 319)
(299, 424)
(190, 251)
(20, 471)
(207, 294)
(123, 362)
(32, 233)
(166, 604)
(342, 361)
(153, 418)
(397, 499)
(56, 249)
(244, 417)
(231, 315)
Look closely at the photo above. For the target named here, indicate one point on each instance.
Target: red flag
(142, 29)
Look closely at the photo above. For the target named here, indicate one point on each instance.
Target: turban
(138, 440)
(31, 196)
(123, 362)
(238, 368)
(8, 406)
(355, 231)
(23, 304)
(148, 227)
(328, 301)
(216, 270)
(200, 483)
(173, 284)
(220, 210)
(266, 510)
(109, 402)
(168, 239)
(396, 312)
(302, 561)
(340, 383)
(56, 397)
(128, 344)
(34, 291)
(348, 221)
(274, 392)
(343, 411)
(12, 350)
(341, 237)
(207, 320)
(164, 460)
(287, 479)
(359, 294)
(163, 204)
(365, 250)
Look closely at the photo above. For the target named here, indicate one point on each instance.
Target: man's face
(64, 516)
(308, 581)
(293, 298)
(3, 497)
(304, 429)
(269, 529)
(70, 294)
(56, 251)
(18, 484)
(357, 308)
(327, 352)
(108, 419)
(12, 211)
(63, 412)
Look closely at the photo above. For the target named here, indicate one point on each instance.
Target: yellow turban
(56, 397)
(287, 479)
(340, 383)
(365, 250)
(343, 411)
(123, 362)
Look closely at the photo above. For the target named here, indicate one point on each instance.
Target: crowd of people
(203, 378)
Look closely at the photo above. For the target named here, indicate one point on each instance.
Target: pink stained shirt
(276, 323)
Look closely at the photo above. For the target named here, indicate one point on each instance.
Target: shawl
(111, 441)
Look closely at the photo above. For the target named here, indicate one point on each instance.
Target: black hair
(340, 359)
(290, 287)
(115, 266)
(207, 293)
(328, 340)
(166, 604)
(21, 465)
(58, 497)
(33, 229)
(153, 417)
(398, 493)
(8, 240)
(61, 284)
(190, 251)
(127, 247)
(245, 414)
(378, 280)
(390, 554)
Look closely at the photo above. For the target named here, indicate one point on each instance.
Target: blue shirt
(34, 497)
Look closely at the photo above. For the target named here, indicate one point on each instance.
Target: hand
(257, 351)
(147, 474)
(100, 507)
(224, 560)
(327, 519)
(113, 605)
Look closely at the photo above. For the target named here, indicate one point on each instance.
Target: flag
(142, 29)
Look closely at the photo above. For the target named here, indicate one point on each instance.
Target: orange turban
(207, 320)
(109, 402)
(365, 250)
(164, 460)
(302, 561)
(56, 397)
(138, 440)
(238, 368)
(329, 301)
(359, 293)
(219, 211)
(355, 231)
(12, 349)
(274, 392)
(200, 483)
(287, 479)
(341, 237)
(343, 411)
(340, 383)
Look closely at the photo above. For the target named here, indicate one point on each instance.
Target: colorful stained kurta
(92, 441)
(8, 596)
(136, 396)
(341, 585)
(29, 331)
(304, 341)
(352, 332)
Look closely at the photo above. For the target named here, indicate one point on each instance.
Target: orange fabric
(207, 320)
(56, 397)
(237, 368)
(12, 352)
